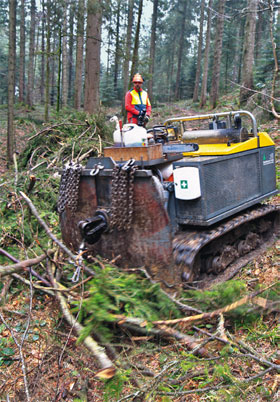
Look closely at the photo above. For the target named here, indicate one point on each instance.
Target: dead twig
(23, 365)
(47, 129)
(45, 226)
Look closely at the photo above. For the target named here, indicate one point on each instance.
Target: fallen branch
(215, 313)
(47, 129)
(10, 269)
(34, 273)
(107, 368)
(23, 365)
(47, 229)
(165, 333)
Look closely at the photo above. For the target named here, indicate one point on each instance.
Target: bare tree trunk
(52, 68)
(218, 53)
(22, 53)
(64, 56)
(59, 71)
(276, 64)
(248, 51)
(70, 55)
(42, 83)
(134, 65)
(30, 84)
(237, 49)
(180, 52)
(127, 53)
(152, 49)
(11, 142)
(48, 51)
(206, 57)
(197, 76)
(92, 63)
(259, 36)
(79, 54)
(117, 47)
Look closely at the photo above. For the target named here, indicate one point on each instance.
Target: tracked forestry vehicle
(187, 207)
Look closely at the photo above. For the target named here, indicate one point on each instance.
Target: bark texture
(92, 63)
(134, 65)
(152, 49)
(248, 51)
(42, 83)
(65, 56)
(30, 84)
(48, 50)
(117, 46)
(11, 81)
(180, 53)
(217, 53)
(79, 54)
(21, 81)
(127, 52)
(199, 51)
(206, 57)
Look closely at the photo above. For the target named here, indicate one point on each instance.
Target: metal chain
(122, 196)
(114, 196)
(130, 197)
(69, 187)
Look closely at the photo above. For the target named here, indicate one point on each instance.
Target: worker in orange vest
(137, 103)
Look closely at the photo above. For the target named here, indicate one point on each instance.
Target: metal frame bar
(209, 116)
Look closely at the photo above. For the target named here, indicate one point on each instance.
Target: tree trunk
(92, 63)
(206, 57)
(11, 82)
(180, 52)
(248, 52)
(42, 83)
(117, 47)
(237, 50)
(30, 84)
(259, 36)
(70, 55)
(64, 56)
(134, 65)
(217, 53)
(127, 53)
(59, 71)
(79, 55)
(22, 53)
(52, 68)
(48, 51)
(197, 76)
(152, 49)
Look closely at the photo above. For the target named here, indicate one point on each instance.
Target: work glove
(147, 118)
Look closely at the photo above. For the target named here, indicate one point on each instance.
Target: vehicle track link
(210, 252)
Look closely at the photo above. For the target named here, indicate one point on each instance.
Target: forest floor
(60, 369)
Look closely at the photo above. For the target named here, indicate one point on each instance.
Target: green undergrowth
(71, 136)
(113, 292)
(227, 293)
(43, 157)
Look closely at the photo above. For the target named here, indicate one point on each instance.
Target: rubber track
(187, 244)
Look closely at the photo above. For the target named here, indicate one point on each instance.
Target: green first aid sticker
(184, 184)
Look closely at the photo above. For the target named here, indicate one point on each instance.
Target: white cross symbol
(184, 184)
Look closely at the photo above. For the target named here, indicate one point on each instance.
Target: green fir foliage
(113, 292)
